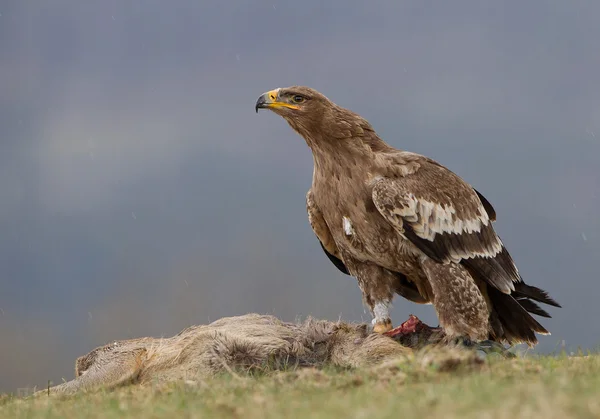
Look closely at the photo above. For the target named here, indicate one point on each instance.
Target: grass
(548, 387)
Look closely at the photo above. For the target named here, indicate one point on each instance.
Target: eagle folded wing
(321, 230)
(446, 219)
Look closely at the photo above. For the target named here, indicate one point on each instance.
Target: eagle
(401, 223)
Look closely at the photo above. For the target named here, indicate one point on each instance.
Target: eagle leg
(378, 286)
(378, 292)
(460, 305)
(382, 322)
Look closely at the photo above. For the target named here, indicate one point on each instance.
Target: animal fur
(246, 343)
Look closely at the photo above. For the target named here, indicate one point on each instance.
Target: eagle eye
(298, 99)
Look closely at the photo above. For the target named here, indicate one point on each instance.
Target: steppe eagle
(402, 223)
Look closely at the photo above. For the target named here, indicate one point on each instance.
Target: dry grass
(427, 386)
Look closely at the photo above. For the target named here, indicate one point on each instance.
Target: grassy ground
(546, 387)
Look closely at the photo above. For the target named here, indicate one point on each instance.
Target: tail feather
(522, 290)
(532, 307)
(510, 319)
(514, 324)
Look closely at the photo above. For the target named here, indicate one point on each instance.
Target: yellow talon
(382, 327)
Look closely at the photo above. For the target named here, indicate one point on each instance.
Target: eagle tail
(512, 321)
(522, 291)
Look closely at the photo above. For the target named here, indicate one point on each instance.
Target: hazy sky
(140, 193)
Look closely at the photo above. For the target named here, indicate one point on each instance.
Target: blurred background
(140, 193)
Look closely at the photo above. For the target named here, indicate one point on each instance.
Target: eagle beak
(271, 100)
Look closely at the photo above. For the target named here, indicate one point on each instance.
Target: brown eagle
(402, 223)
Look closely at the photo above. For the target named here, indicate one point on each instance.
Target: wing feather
(491, 212)
(321, 230)
(446, 219)
(337, 262)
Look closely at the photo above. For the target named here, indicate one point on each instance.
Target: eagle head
(316, 118)
(305, 109)
(294, 100)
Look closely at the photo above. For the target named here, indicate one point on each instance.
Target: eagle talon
(463, 341)
(382, 327)
(489, 347)
(484, 347)
(459, 342)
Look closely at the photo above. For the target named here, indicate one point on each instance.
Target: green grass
(547, 387)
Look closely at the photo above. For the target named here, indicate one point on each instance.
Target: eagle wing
(448, 220)
(321, 230)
